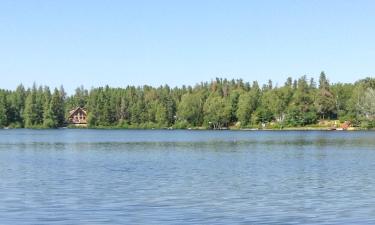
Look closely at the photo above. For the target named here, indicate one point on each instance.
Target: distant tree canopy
(216, 104)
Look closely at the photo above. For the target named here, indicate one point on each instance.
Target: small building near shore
(78, 117)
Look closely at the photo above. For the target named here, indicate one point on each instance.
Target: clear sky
(94, 43)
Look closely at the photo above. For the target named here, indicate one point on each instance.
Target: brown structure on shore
(78, 117)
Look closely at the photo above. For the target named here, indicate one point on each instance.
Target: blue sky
(183, 42)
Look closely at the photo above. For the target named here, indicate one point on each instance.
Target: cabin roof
(72, 112)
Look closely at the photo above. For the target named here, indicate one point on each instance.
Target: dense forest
(217, 104)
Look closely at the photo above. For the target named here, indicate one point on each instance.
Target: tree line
(217, 104)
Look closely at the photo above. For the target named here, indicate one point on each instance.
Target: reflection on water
(186, 177)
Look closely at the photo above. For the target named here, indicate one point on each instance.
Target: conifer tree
(30, 113)
(325, 100)
(3, 110)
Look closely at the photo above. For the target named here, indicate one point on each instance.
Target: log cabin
(78, 117)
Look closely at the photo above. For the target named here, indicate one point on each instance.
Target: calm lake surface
(71, 176)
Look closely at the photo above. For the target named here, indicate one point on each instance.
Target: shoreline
(201, 129)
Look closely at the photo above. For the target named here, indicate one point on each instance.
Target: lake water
(71, 176)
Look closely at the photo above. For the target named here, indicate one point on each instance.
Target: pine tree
(48, 121)
(3, 110)
(325, 101)
(16, 106)
(30, 116)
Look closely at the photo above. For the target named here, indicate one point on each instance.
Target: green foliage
(367, 104)
(217, 104)
(301, 110)
(325, 100)
(190, 109)
(296, 117)
(263, 115)
(3, 110)
(16, 105)
(247, 104)
(54, 112)
(217, 112)
(343, 94)
(181, 125)
(33, 108)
